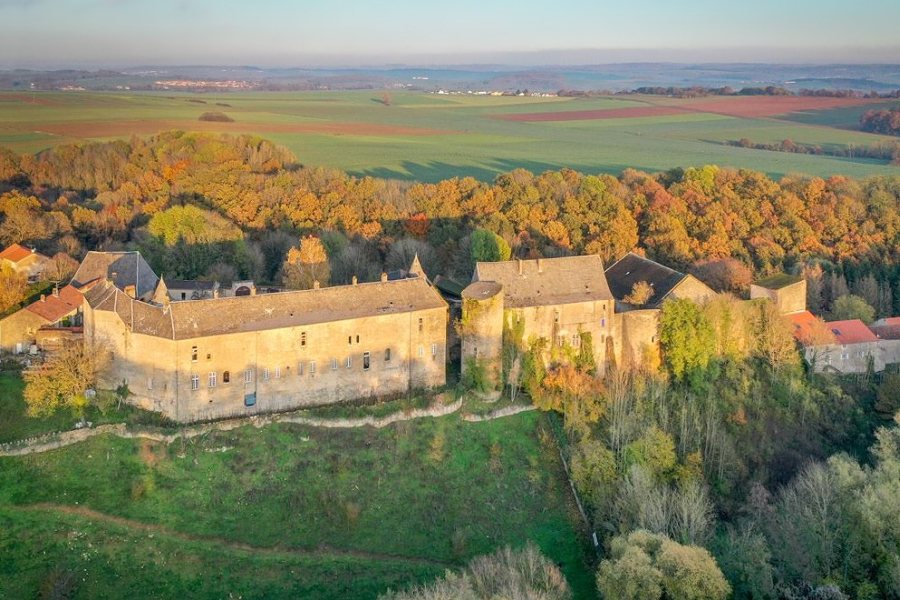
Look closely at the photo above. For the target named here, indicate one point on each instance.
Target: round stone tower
(481, 329)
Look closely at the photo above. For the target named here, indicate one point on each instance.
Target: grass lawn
(287, 510)
(428, 137)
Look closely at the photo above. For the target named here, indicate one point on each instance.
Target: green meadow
(428, 137)
(285, 511)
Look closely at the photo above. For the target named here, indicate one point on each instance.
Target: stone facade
(206, 359)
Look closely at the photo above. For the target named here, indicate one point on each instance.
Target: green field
(285, 511)
(429, 137)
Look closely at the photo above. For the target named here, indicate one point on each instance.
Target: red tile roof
(53, 308)
(853, 331)
(803, 325)
(15, 253)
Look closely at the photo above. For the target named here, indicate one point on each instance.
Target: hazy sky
(302, 32)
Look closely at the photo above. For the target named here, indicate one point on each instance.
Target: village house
(27, 327)
(25, 261)
(218, 357)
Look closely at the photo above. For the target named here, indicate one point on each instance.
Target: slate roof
(887, 328)
(217, 316)
(547, 281)
(631, 268)
(15, 253)
(53, 308)
(129, 268)
(852, 331)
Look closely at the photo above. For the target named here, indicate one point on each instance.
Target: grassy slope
(479, 144)
(441, 490)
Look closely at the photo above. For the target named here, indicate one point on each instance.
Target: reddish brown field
(100, 129)
(767, 106)
(26, 98)
(732, 106)
(589, 115)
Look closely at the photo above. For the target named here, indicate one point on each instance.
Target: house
(19, 331)
(788, 292)
(665, 282)
(179, 289)
(25, 261)
(887, 329)
(246, 354)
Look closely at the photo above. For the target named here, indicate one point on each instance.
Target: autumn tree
(306, 265)
(487, 246)
(724, 275)
(647, 566)
(851, 306)
(686, 337)
(641, 292)
(13, 286)
(60, 268)
(64, 379)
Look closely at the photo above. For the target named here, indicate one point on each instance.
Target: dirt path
(321, 551)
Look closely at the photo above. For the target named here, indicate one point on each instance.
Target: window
(421, 350)
(266, 374)
(226, 377)
(312, 368)
(334, 364)
(349, 339)
(299, 369)
(576, 340)
(212, 379)
(560, 340)
(184, 295)
(302, 338)
(349, 362)
(209, 357)
(277, 372)
(387, 355)
(357, 339)
(195, 383)
(248, 376)
(193, 353)
(149, 383)
(602, 322)
(556, 316)
(434, 350)
(421, 324)
(366, 361)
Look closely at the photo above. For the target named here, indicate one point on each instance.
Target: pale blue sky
(303, 32)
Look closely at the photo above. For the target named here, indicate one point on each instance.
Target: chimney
(316, 284)
(520, 266)
(43, 298)
(355, 280)
(253, 290)
(215, 292)
(383, 277)
(56, 290)
(540, 265)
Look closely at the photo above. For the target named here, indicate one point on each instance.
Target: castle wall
(561, 324)
(482, 336)
(639, 336)
(789, 299)
(274, 369)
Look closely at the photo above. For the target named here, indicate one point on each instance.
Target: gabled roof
(217, 316)
(887, 328)
(53, 308)
(547, 281)
(852, 331)
(17, 252)
(124, 268)
(804, 323)
(631, 268)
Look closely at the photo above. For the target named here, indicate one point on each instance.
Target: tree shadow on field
(435, 171)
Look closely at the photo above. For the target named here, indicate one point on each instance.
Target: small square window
(387, 355)
(226, 377)
(349, 339)
(209, 357)
(302, 338)
(421, 324)
(193, 353)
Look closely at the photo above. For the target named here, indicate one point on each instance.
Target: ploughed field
(285, 511)
(414, 135)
